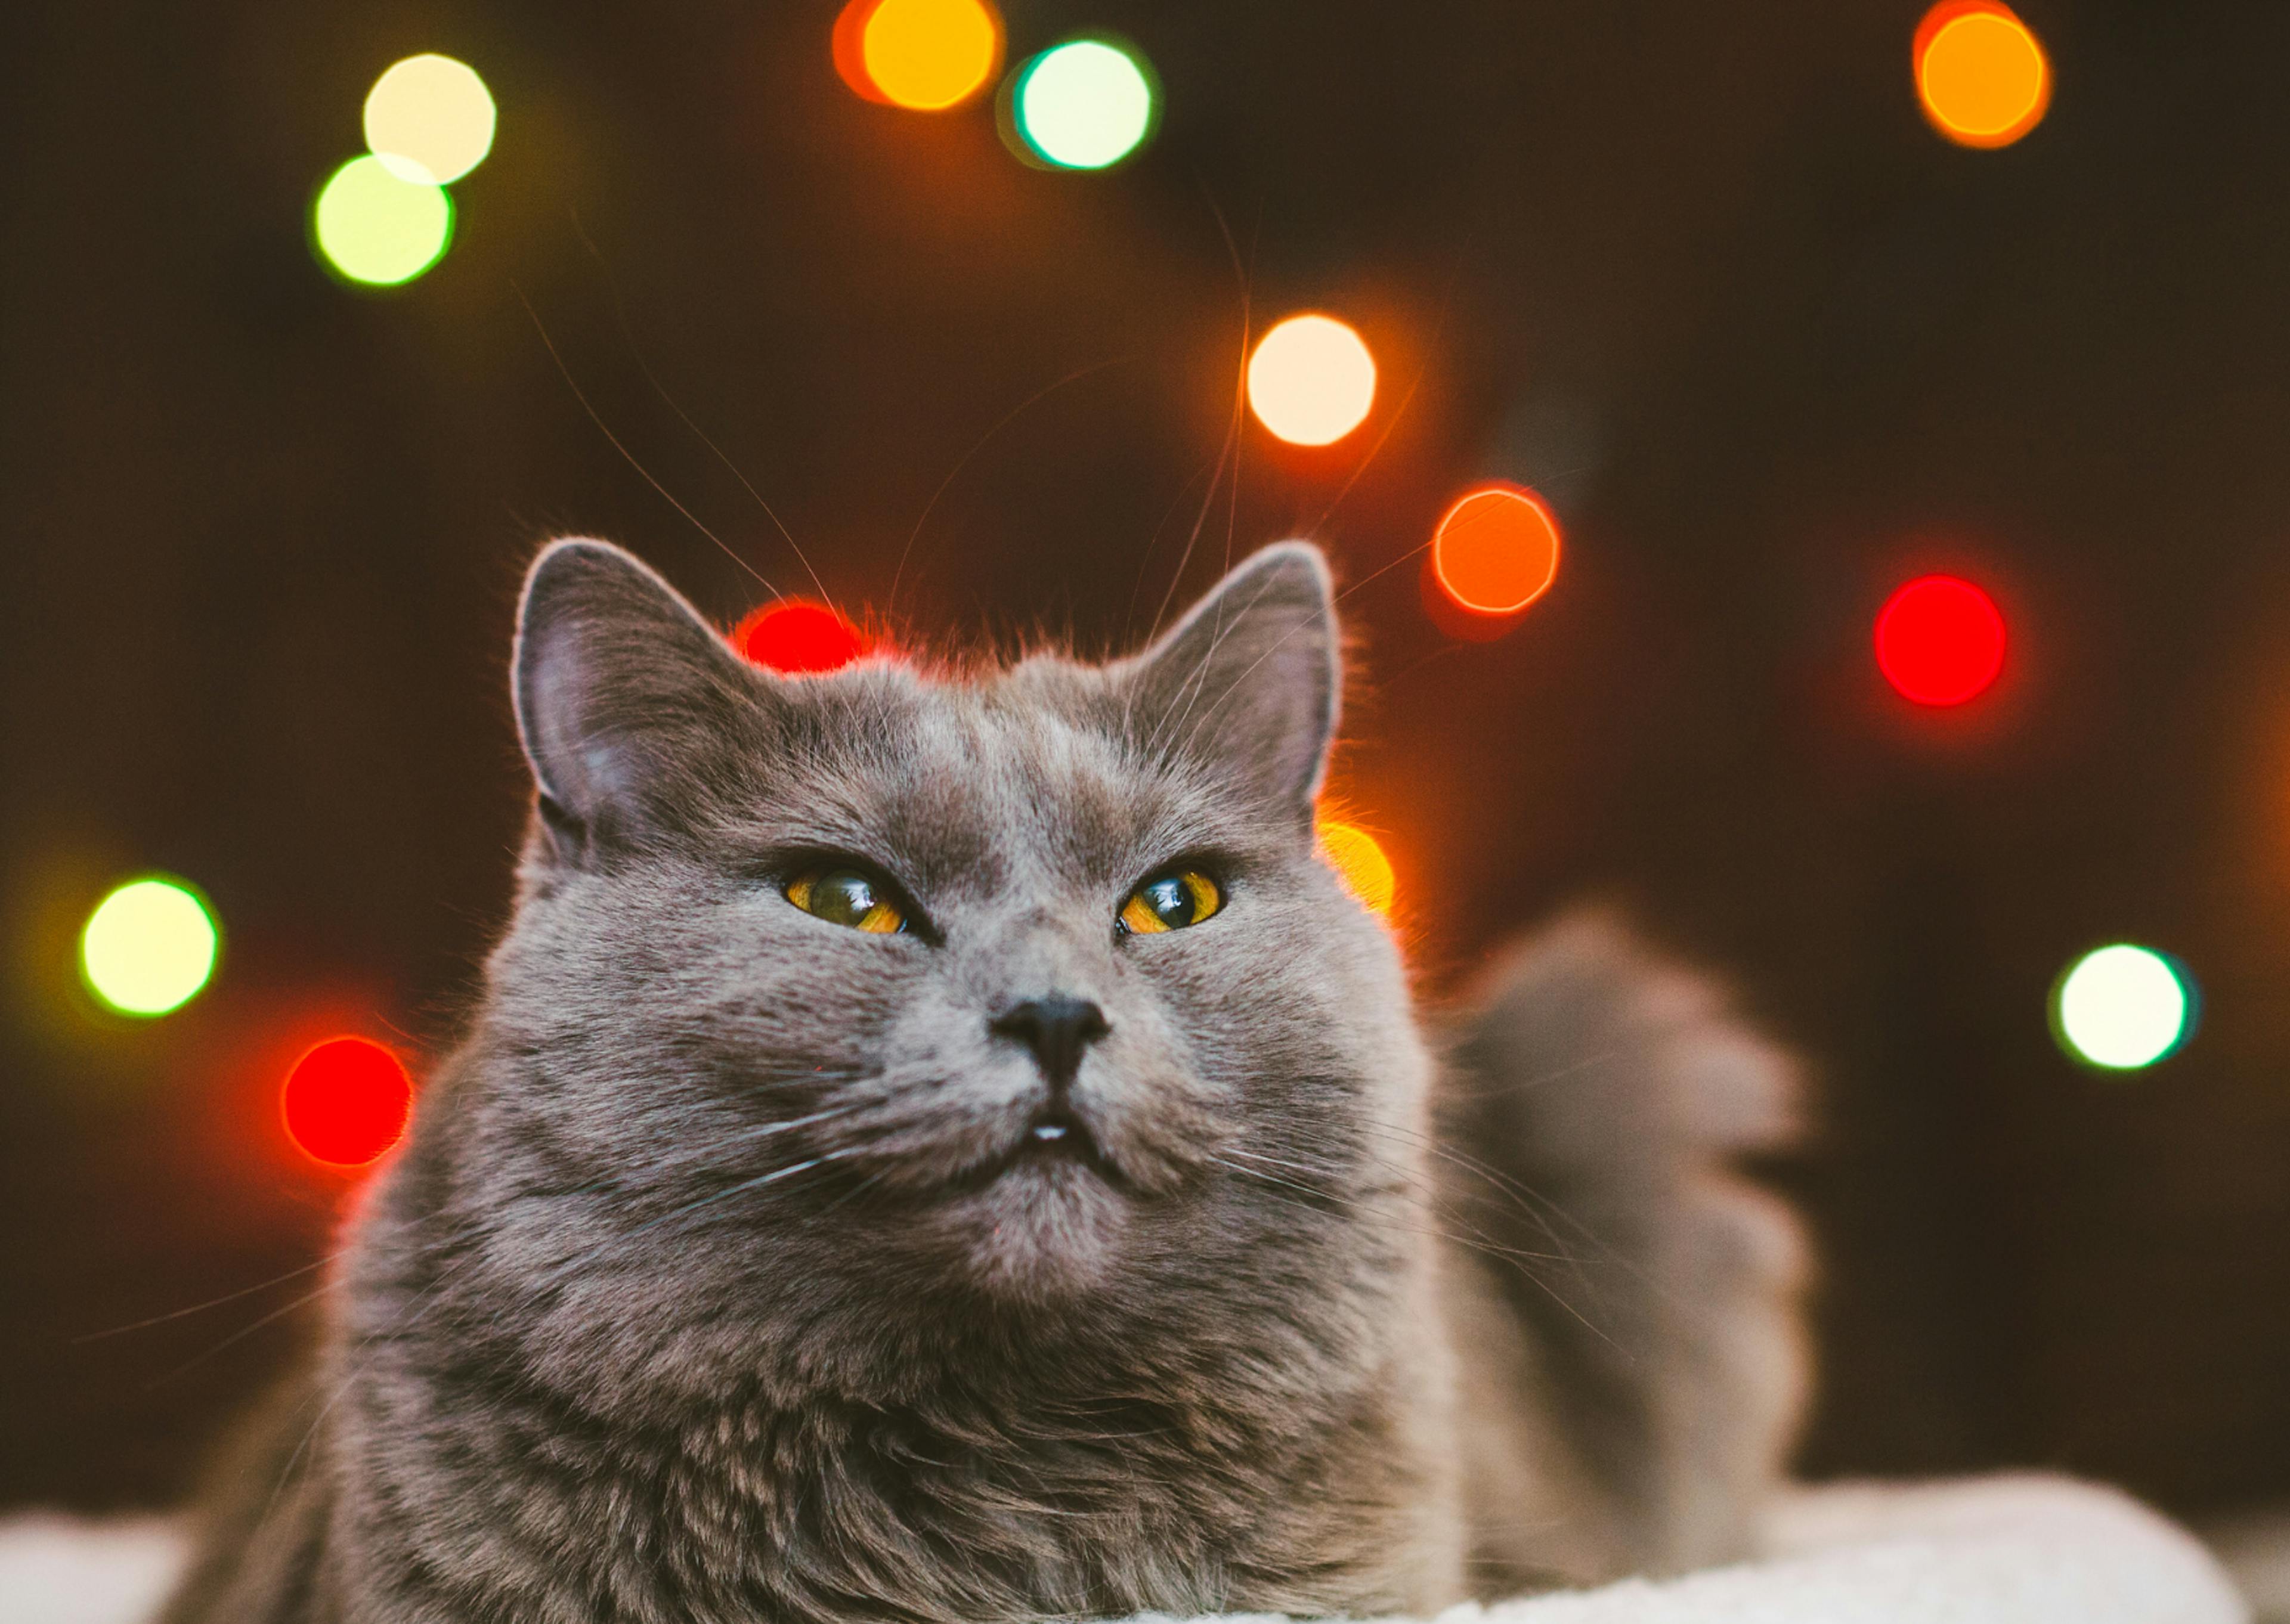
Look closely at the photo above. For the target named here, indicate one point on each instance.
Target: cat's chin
(1045, 1227)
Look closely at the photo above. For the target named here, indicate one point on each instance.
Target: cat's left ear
(1249, 681)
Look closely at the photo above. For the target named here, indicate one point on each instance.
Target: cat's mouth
(1055, 1137)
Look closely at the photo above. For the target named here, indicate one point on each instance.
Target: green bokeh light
(2123, 1007)
(1084, 105)
(150, 947)
(376, 229)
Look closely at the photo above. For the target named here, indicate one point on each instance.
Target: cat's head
(888, 998)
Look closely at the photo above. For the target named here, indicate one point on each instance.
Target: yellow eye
(844, 896)
(1170, 902)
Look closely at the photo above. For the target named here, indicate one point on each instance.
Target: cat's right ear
(625, 698)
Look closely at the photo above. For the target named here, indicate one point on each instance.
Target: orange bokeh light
(1360, 863)
(1496, 551)
(927, 55)
(1312, 379)
(1982, 74)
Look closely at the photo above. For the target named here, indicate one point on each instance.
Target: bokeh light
(1982, 74)
(1311, 380)
(2123, 1007)
(1359, 863)
(850, 49)
(921, 54)
(430, 119)
(150, 945)
(346, 1102)
(1084, 105)
(1496, 550)
(375, 229)
(1940, 641)
(795, 637)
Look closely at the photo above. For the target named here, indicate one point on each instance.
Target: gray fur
(704, 1291)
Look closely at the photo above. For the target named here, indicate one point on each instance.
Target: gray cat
(846, 1205)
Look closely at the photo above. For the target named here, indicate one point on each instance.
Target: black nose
(1057, 1029)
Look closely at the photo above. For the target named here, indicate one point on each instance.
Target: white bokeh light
(2122, 1007)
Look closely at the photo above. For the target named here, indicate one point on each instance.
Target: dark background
(1702, 273)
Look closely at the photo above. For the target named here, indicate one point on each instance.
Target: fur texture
(726, 1274)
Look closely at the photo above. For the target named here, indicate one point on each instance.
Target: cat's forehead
(971, 779)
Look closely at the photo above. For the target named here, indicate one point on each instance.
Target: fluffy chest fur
(959, 1508)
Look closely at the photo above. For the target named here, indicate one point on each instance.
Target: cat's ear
(1249, 681)
(625, 697)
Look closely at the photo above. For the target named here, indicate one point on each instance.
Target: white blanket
(2003, 1550)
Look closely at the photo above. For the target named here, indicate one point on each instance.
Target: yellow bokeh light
(430, 119)
(148, 947)
(1311, 380)
(1982, 74)
(375, 229)
(929, 54)
(1360, 863)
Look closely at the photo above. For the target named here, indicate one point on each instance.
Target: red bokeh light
(850, 48)
(346, 1102)
(797, 637)
(1939, 640)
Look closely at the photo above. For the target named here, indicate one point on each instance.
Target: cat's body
(746, 1266)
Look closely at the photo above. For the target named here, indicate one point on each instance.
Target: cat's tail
(1598, 1099)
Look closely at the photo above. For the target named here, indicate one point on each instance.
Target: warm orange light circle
(1981, 73)
(921, 54)
(1311, 380)
(1360, 863)
(849, 46)
(1496, 551)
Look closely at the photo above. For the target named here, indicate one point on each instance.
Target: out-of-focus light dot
(2122, 1007)
(1940, 641)
(375, 229)
(1084, 105)
(850, 49)
(926, 54)
(797, 637)
(347, 1100)
(1982, 74)
(430, 119)
(1360, 863)
(1311, 380)
(150, 947)
(1496, 550)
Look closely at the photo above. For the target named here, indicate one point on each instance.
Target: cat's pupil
(1170, 900)
(843, 897)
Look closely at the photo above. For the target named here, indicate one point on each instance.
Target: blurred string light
(375, 229)
(1940, 641)
(1496, 551)
(383, 219)
(430, 119)
(1311, 380)
(150, 947)
(1982, 74)
(1360, 863)
(797, 637)
(346, 1102)
(926, 55)
(2123, 1007)
(1083, 105)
